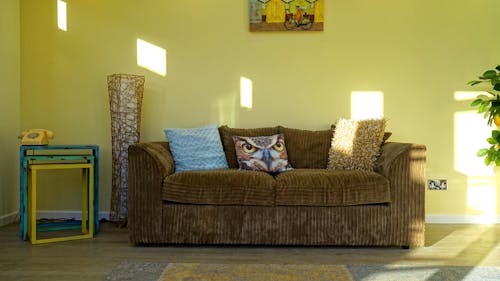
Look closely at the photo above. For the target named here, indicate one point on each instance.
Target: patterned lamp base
(125, 101)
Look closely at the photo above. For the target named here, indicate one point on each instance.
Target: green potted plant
(492, 153)
(490, 107)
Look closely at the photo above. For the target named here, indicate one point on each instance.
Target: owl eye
(279, 146)
(248, 148)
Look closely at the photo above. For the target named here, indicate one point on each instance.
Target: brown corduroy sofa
(309, 205)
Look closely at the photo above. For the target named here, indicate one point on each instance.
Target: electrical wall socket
(437, 184)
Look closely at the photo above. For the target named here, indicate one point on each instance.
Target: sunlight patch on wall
(151, 57)
(471, 132)
(246, 93)
(481, 198)
(468, 95)
(62, 20)
(367, 104)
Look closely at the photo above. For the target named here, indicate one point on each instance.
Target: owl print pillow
(266, 154)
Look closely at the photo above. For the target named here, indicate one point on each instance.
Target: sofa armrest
(403, 164)
(159, 152)
(148, 165)
(390, 151)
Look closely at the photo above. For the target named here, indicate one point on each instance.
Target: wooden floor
(93, 259)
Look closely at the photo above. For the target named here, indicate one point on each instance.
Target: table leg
(84, 200)
(32, 202)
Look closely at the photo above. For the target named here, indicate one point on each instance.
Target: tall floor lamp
(125, 102)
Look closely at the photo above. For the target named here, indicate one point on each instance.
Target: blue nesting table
(37, 155)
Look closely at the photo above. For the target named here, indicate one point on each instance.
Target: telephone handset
(36, 137)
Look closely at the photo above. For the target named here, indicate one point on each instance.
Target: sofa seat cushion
(320, 187)
(220, 187)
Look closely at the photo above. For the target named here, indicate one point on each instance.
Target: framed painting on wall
(286, 15)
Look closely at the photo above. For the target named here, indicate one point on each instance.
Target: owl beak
(266, 157)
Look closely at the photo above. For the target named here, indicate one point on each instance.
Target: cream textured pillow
(356, 144)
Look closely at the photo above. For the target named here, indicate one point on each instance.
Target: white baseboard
(466, 219)
(77, 215)
(8, 218)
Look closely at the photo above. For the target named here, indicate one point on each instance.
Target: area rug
(150, 271)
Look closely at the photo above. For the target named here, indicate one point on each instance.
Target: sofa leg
(405, 247)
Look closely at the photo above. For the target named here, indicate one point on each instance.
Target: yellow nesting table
(87, 229)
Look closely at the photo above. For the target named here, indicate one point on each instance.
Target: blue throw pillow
(196, 149)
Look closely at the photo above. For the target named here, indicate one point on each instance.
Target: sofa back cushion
(227, 134)
(307, 149)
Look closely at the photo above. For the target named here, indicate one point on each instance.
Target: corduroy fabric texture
(281, 225)
(227, 133)
(148, 165)
(398, 223)
(307, 149)
(320, 187)
(387, 135)
(220, 187)
(404, 166)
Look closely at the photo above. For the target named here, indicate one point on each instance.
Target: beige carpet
(254, 272)
(148, 271)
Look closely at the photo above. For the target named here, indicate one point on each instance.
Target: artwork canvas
(286, 15)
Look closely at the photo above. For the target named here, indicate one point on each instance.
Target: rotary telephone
(36, 137)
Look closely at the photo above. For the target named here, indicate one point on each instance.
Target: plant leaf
(487, 160)
(474, 82)
(476, 102)
(482, 107)
(497, 87)
(482, 152)
(489, 74)
(491, 141)
(497, 162)
(498, 67)
(495, 134)
(485, 97)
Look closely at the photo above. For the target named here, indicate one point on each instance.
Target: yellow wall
(9, 108)
(418, 53)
